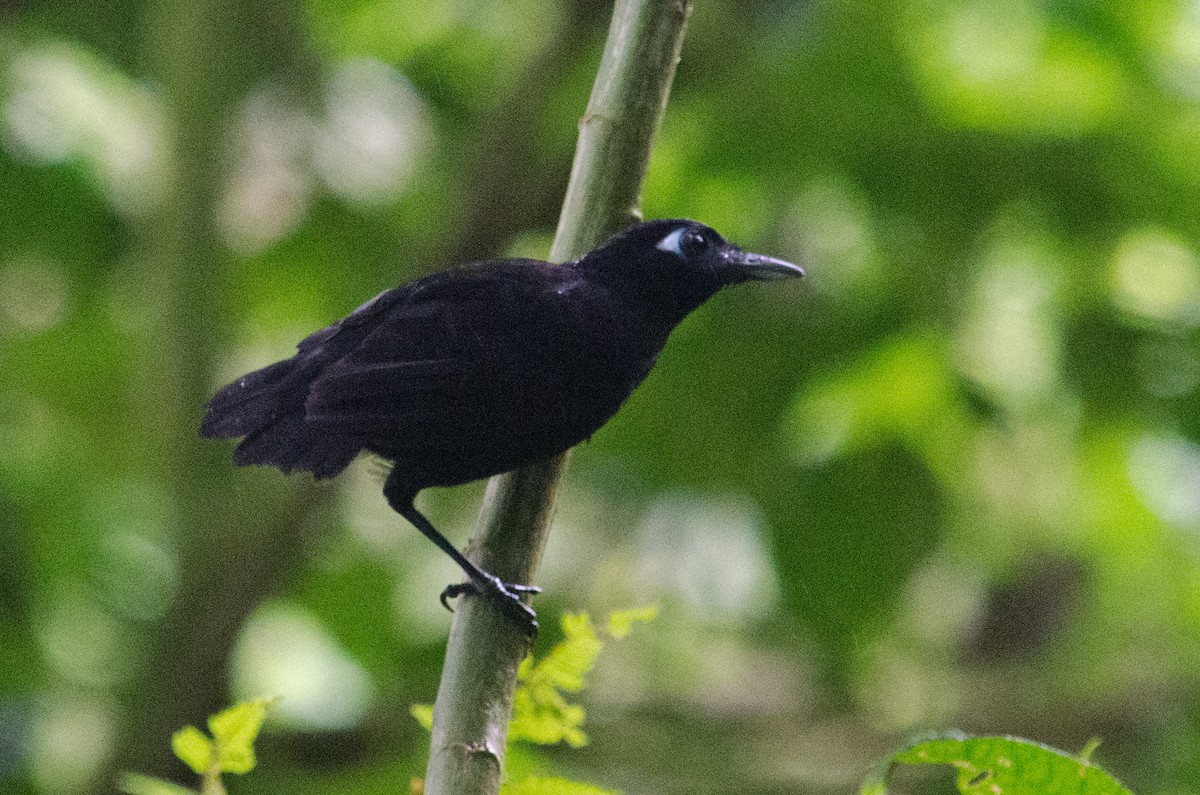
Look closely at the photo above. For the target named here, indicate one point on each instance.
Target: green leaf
(541, 713)
(138, 784)
(1001, 766)
(569, 661)
(424, 715)
(193, 748)
(620, 622)
(536, 785)
(234, 731)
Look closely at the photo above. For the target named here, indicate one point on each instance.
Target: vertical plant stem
(202, 56)
(474, 702)
(182, 265)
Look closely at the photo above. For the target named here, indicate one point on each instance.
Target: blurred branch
(182, 678)
(474, 700)
(203, 54)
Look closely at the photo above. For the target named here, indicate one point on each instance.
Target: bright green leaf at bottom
(1000, 766)
(234, 731)
(193, 748)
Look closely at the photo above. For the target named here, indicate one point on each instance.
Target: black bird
(482, 369)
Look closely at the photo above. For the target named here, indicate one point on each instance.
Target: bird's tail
(267, 408)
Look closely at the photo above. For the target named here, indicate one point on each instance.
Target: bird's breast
(588, 359)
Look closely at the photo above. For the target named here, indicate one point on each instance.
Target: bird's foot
(505, 595)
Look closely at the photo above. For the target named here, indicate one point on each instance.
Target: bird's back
(536, 360)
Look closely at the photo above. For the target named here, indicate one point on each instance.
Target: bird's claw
(506, 596)
(468, 588)
(453, 591)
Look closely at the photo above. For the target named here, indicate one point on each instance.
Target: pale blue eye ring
(673, 243)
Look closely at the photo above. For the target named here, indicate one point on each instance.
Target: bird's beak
(757, 266)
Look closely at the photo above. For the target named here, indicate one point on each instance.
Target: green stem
(210, 782)
(474, 702)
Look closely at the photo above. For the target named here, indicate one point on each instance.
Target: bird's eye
(697, 243)
(684, 243)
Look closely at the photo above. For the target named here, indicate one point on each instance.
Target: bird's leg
(504, 595)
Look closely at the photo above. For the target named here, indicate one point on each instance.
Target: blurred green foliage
(950, 480)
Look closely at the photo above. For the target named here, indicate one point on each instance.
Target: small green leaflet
(541, 712)
(231, 747)
(193, 747)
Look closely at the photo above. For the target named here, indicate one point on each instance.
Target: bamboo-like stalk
(474, 701)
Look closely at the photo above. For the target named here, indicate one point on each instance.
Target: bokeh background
(952, 480)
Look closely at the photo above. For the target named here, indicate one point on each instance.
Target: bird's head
(677, 264)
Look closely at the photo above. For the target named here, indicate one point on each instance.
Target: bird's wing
(259, 399)
(428, 371)
(350, 330)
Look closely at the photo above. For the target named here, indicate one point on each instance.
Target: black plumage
(482, 369)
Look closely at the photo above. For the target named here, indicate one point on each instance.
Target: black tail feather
(291, 444)
(250, 403)
(267, 407)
